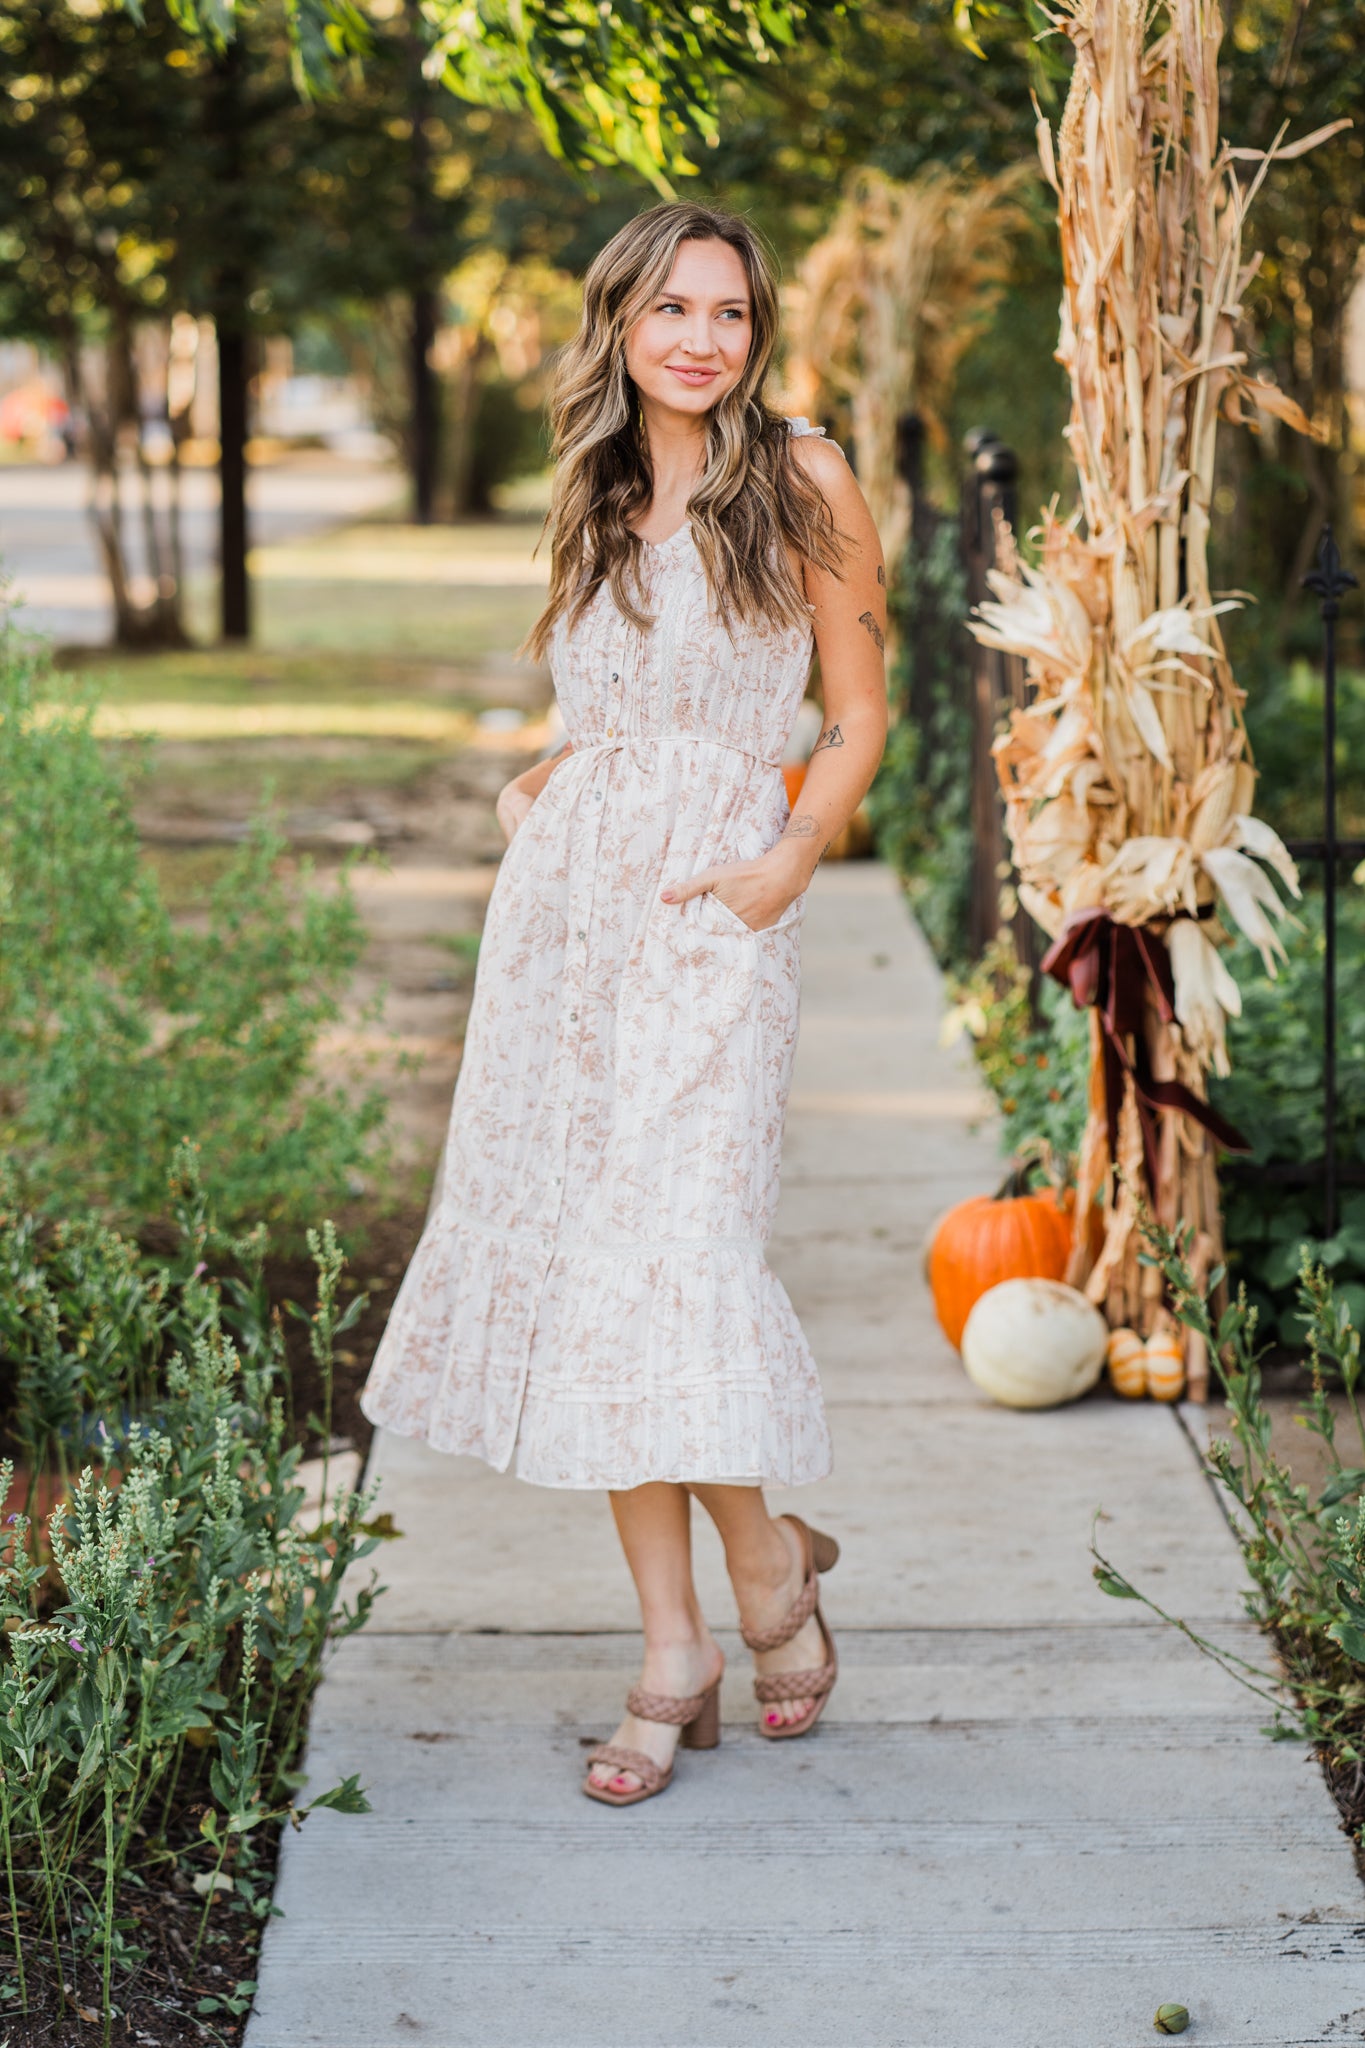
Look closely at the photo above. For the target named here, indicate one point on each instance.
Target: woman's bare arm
(850, 636)
(516, 797)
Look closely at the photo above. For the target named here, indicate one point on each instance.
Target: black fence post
(1331, 581)
(926, 625)
(990, 501)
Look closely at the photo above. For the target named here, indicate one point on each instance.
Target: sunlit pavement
(1030, 1816)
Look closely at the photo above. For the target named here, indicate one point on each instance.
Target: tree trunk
(138, 626)
(230, 289)
(162, 622)
(233, 342)
(425, 428)
(424, 424)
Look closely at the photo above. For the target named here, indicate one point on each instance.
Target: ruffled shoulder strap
(801, 426)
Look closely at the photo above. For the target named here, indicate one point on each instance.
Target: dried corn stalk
(1127, 779)
(884, 305)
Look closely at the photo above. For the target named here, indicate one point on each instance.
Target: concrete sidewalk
(1029, 1817)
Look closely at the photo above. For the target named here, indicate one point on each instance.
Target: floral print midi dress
(591, 1294)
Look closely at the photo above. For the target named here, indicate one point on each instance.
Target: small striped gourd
(1127, 1359)
(1165, 1365)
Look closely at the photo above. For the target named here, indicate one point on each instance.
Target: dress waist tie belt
(619, 741)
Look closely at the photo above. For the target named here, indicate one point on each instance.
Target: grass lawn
(267, 672)
(293, 773)
(459, 623)
(377, 648)
(419, 610)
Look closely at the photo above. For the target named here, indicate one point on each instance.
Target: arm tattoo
(803, 826)
(881, 575)
(874, 629)
(830, 737)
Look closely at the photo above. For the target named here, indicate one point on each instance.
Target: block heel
(821, 1553)
(704, 1732)
(699, 1719)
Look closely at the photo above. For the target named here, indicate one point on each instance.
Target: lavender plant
(158, 1654)
(1304, 1547)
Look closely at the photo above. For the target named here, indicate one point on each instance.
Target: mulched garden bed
(172, 2000)
(159, 2005)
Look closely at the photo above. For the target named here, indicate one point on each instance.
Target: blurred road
(49, 556)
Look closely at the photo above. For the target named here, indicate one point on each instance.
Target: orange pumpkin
(1007, 1236)
(793, 774)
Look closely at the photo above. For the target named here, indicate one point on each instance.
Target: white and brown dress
(591, 1293)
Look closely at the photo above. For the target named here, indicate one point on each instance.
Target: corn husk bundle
(1127, 779)
(883, 307)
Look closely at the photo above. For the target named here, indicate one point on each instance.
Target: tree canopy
(606, 81)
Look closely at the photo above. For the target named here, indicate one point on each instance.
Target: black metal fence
(1331, 580)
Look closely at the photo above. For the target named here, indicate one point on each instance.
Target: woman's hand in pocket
(758, 892)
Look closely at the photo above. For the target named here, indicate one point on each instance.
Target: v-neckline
(668, 539)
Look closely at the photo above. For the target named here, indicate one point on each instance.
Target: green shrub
(1274, 1095)
(1038, 1070)
(1284, 714)
(1304, 1547)
(121, 1031)
(157, 1659)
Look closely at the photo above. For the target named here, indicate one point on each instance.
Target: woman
(590, 1292)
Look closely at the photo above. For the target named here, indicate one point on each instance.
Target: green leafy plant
(1304, 1547)
(1284, 715)
(1037, 1069)
(158, 1651)
(1274, 1095)
(120, 1030)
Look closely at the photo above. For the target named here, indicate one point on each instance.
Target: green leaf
(1350, 1638)
(1340, 1485)
(1115, 1586)
(381, 1526)
(346, 1797)
(962, 23)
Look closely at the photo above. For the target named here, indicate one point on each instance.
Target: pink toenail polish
(773, 1720)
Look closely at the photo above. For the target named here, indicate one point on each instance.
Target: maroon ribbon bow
(1110, 967)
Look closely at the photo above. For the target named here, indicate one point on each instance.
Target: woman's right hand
(516, 797)
(514, 801)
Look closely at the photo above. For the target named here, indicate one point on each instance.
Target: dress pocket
(717, 916)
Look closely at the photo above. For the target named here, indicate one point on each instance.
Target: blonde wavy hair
(751, 491)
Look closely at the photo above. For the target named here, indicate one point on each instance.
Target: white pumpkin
(1034, 1343)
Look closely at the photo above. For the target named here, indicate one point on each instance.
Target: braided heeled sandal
(697, 1716)
(821, 1554)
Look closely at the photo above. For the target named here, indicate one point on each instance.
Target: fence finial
(1330, 579)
